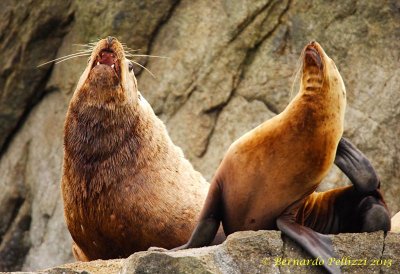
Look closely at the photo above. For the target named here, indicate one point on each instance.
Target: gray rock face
(230, 66)
(30, 34)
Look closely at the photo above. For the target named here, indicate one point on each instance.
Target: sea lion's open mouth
(108, 57)
(312, 56)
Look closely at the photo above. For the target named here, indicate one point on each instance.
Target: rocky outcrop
(230, 66)
(256, 252)
(30, 33)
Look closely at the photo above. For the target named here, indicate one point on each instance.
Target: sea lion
(125, 185)
(396, 223)
(269, 174)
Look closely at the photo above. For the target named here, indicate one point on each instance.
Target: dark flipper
(356, 166)
(316, 244)
(373, 214)
(371, 209)
(344, 210)
(209, 220)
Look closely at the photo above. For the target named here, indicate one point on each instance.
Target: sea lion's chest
(106, 222)
(273, 166)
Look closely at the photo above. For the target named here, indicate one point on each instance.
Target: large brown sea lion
(268, 176)
(125, 185)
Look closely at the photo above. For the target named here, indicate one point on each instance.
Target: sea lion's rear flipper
(344, 210)
(316, 244)
(209, 220)
(356, 166)
(371, 208)
(373, 214)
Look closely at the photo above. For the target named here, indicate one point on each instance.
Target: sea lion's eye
(130, 66)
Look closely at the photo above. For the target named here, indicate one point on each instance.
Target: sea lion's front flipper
(316, 244)
(209, 220)
(356, 166)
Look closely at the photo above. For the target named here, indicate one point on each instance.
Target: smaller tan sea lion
(268, 176)
(125, 185)
(396, 223)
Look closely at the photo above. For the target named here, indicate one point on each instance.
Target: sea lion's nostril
(312, 43)
(110, 40)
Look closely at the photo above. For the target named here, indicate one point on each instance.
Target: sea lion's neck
(325, 105)
(95, 133)
(98, 139)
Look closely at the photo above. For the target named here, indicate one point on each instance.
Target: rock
(390, 260)
(365, 247)
(230, 66)
(396, 223)
(35, 192)
(237, 117)
(30, 34)
(255, 252)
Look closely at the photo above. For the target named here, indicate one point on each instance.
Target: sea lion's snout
(312, 56)
(109, 72)
(313, 66)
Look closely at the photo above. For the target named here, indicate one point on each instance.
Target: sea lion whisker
(71, 57)
(64, 58)
(131, 50)
(87, 47)
(296, 75)
(128, 49)
(145, 55)
(76, 53)
(144, 68)
(60, 59)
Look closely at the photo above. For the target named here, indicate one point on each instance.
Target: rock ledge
(255, 252)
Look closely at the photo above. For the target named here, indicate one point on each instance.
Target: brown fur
(283, 160)
(125, 185)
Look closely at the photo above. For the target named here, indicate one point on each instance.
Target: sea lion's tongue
(107, 58)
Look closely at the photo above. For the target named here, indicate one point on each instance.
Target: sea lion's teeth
(112, 65)
(98, 63)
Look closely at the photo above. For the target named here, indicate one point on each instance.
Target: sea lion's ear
(356, 166)
(130, 66)
(318, 245)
